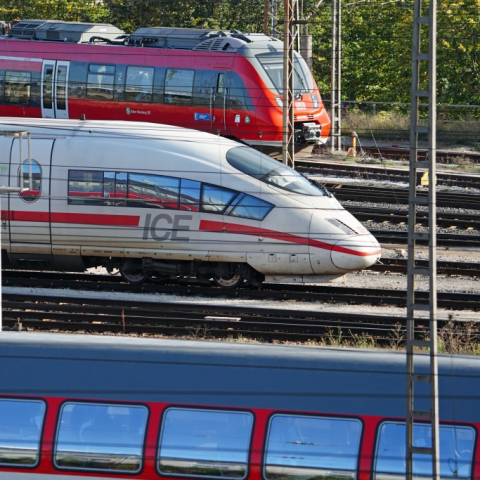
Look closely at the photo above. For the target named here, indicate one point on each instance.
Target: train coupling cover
(311, 132)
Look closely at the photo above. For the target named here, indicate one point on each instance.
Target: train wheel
(132, 272)
(229, 281)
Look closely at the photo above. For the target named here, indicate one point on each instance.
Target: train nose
(356, 252)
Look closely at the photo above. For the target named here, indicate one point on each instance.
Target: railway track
(399, 265)
(89, 315)
(450, 240)
(371, 172)
(318, 293)
(400, 217)
(403, 153)
(399, 196)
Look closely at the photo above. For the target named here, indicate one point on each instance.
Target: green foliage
(67, 10)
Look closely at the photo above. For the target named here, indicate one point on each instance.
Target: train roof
(155, 37)
(45, 127)
(69, 32)
(287, 378)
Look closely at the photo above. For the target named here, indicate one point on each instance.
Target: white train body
(165, 201)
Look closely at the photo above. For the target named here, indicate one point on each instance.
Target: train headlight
(315, 101)
(279, 102)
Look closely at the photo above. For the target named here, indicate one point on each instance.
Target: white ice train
(159, 202)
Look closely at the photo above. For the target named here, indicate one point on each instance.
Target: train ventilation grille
(310, 117)
(206, 44)
(342, 226)
(213, 45)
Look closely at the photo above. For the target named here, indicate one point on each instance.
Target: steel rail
(322, 293)
(375, 172)
(388, 215)
(399, 196)
(46, 312)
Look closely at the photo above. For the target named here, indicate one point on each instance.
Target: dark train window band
(141, 190)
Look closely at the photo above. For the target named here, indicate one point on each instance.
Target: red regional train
(224, 82)
(167, 202)
(90, 407)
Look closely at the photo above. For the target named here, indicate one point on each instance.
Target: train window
(47, 86)
(100, 437)
(85, 187)
(216, 199)
(153, 191)
(268, 170)
(120, 188)
(139, 84)
(30, 194)
(205, 443)
(17, 87)
(100, 81)
(456, 451)
(306, 447)
(272, 63)
(61, 87)
(21, 423)
(178, 86)
(247, 206)
(190, 195)
(221, 83)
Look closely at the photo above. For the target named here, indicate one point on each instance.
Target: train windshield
(268, 170)
(272, 62)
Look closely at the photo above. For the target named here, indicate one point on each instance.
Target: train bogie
(162, 202)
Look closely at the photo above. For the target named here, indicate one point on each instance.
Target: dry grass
(395, 125)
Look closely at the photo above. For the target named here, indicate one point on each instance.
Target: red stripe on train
(210, 226)
(80, 218)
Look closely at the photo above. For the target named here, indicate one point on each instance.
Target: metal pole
(288, 146)
(265, 17)
(430, 345)
(30, 176)
(333, 78)
(339, 76)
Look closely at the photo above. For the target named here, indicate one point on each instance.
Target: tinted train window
(205, 443)
(152, 191)
(305, 448)
(215, 199)
(100, 81)
(21, 423)
(30, 194)
(268, 170)
(17, 87)
(139, 84)
(85, 187)
(190, 195)
(101, 437)
(47, 86)
(178, 86)
(247, 206)
(456, 451)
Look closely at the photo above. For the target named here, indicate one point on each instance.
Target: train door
(55, 89)
(220, 103)
(5, 148)
(29, 210)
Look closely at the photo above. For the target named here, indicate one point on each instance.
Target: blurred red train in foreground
(224, 82)
(90, 407)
